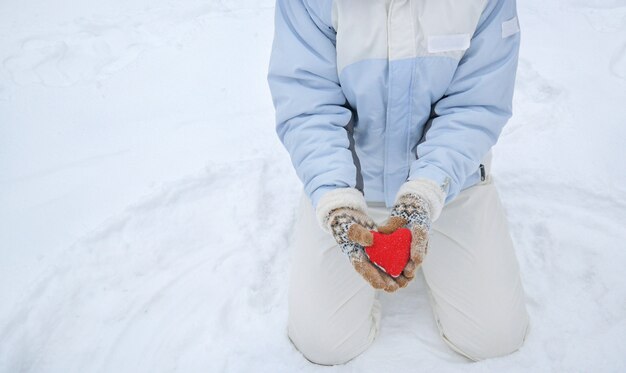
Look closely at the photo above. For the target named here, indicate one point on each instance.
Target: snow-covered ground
(146, 204)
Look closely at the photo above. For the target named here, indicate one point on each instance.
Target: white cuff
(340, 197)
(434, 194)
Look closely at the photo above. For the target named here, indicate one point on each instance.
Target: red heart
(390, 252)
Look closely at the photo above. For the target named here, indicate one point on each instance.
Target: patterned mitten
(418, 204)
(350, 226)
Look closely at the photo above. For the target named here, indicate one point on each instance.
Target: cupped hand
(374, 275)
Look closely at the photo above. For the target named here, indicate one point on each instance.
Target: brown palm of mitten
(351, 229)
(413, 211)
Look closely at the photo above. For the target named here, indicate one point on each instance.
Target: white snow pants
(470, 270)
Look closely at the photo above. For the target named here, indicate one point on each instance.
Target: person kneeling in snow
(389, 111)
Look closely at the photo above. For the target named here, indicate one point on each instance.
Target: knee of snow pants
(333, 313)
(473, 277)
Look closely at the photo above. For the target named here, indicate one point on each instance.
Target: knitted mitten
(350, 227)
(418, 204)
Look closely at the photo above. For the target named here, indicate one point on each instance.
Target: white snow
(146, 203)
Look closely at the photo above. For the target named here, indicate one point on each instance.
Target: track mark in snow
(76, 56)
(607, 206)
(541, 238)
(533, 86)
(618, 62)
(197, 260)
(605, 16)
(533, 92)
(91, 49)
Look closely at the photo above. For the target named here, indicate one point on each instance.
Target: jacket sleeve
(311, 110)
(477, 104)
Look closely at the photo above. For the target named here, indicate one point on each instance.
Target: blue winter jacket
(372, 93)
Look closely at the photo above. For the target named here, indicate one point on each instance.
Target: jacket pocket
(448, 43)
